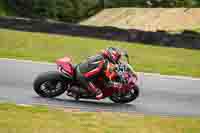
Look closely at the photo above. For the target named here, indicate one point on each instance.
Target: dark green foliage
(196, 3)
(169, 3)
(5, 10)
(65, 10)
(151, 3)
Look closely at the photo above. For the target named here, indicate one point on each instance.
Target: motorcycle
(55, 83)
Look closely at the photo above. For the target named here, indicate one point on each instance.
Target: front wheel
(50, 84)
(129, 97)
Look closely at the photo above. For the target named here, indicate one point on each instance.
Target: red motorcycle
(54, 83)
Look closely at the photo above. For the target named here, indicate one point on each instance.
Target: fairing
(65, 65)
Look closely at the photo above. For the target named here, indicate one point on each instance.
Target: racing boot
(99, 94)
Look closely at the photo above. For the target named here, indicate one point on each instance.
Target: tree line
(152, 3)
(77, 10)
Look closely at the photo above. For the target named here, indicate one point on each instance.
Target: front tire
(133, 94)
(50, 84)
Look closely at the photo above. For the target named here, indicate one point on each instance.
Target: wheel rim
(130, 93)
(51, 87)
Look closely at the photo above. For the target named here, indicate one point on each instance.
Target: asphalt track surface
(160, 95)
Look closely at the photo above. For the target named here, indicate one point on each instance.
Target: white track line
(27, 61)
(25, 105)
(140, 73)
(169, 76)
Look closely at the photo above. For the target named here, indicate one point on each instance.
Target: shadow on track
(86, 105)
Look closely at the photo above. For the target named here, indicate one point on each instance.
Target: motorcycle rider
(97, 66)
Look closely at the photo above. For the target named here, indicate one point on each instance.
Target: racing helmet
(112, 54)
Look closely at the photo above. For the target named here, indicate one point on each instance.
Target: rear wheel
(128, 97)
(50, 84)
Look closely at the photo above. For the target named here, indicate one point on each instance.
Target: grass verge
(44, 47)
(18, 119)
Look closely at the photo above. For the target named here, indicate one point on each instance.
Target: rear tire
(46, 84)
(122, 100)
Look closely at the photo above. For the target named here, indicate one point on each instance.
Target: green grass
(197, 29)
(18, 119)
(44, 47)
(5, 10)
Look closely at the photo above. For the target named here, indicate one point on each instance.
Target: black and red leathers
(93, 68)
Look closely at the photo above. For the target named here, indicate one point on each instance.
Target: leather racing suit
(93, 68)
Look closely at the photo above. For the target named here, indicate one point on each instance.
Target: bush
(151, 3)
(64, 10)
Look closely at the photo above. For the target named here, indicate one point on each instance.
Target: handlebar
(120, 70)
